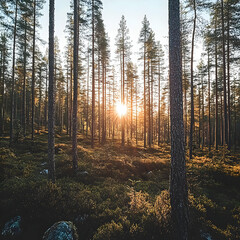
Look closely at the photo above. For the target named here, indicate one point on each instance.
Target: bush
(110, 231)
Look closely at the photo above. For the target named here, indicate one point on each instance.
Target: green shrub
(109, 231)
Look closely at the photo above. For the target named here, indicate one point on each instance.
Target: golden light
(121, 109)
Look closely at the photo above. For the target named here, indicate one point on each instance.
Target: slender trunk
(103, 105)
(235, 119)
(75, 87)
(216, 88)
(67, 101)
(209, 105)
(99, 99)
(225, 118)
(123, 97)
(131, 116)
(149, 107)
(113, 102)
(40, 101)
(136, 114)
(33, 68)
(192, 96)
(46, 101)
(3, 89)
(71, 97)
(221, 120)
(228, 78)
(93, 77)
(51, 96)
(144, 95)
(152, 129)
(199, 118)
(24, 82)
(87, 119)
(203, 127)
(159, 103)
(13, 75)
(2, 93)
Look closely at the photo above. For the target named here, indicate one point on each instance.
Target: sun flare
(121, 109)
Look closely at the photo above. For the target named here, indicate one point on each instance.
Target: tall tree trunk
(103, 104)
(209, 104)
(159, 104)
(228, 77)
(152, 128)
(149, 107)
(131, 116)
(136, 114)
(33, 67)
(225, 118)
(24, 82)
(2, 93)
(87, 119)
(75, 87)
(46, 100)
(13, 74)
(99, 99)
(199, 117)
(192, 96)
(216, 87)
(67, 100)
(3, 90)
(144, 95)
(71, 98)
(123, 96)
(178, 183)
(51, 96)
(93, 77)
(40, 101)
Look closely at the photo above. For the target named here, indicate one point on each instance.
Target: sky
(133, 10)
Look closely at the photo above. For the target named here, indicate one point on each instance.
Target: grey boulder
(61, 231)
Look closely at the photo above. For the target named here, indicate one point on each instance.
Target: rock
(84, 173)
(205, 236)
(44, 172)
(61, 231)
(12, 228)
(150, 173)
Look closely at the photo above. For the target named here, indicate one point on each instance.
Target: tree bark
(13, 75)
(192, 96)
(93, 78)
(33, 67)
(216, 88)
(178, 182)
(75, 87)
(51, 96)
(225, 118)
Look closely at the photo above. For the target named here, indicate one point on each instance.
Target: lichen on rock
(12, 228)
(61, 231)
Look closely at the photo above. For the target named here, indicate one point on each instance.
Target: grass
(118, 192)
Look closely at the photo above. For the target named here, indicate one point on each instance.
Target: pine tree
(123, 49)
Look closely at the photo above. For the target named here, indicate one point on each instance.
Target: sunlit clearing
(121, 109)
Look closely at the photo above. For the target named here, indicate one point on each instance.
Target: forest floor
(118, 192)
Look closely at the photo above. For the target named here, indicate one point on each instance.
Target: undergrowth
(117, 193)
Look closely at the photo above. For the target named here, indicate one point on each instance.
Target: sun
(121, 109)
